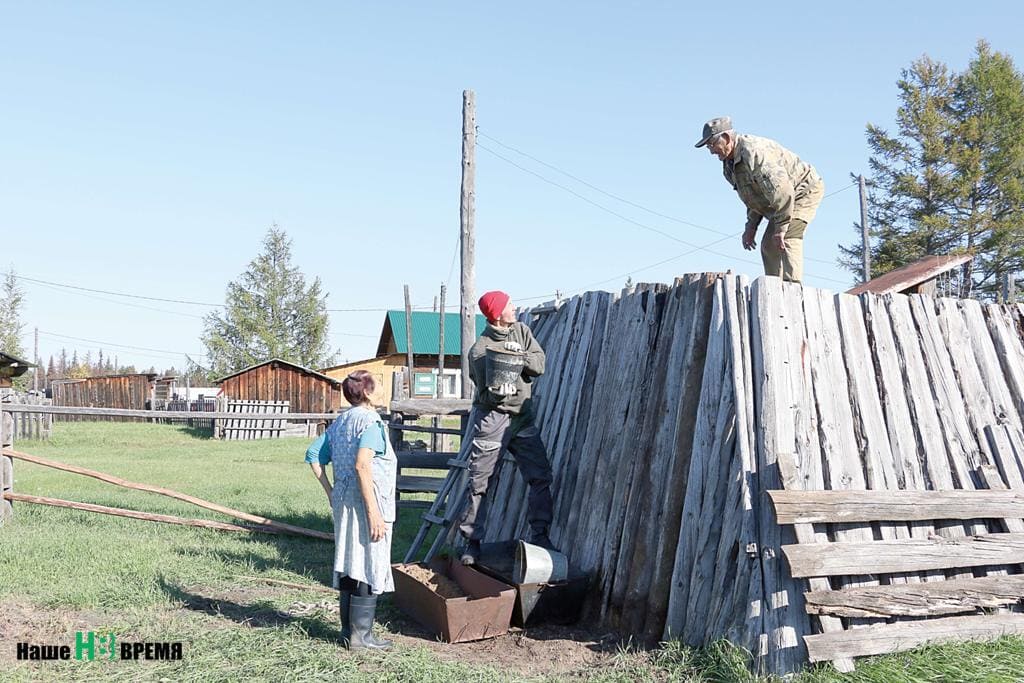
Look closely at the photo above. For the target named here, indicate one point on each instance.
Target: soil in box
(456, 603)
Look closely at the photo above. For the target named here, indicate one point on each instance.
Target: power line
(695, 247)
(124, 294)
(123, 303)
(598, 189)
(120, 346)
(620, 198)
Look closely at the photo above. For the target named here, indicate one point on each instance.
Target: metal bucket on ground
(503, 367)
(539, 565)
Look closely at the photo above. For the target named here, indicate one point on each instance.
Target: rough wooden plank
(906, 635)
(793, 507)
(146, 516)
(417, 407)
(1008, 453)
(937, 598)
(693, 564)
(926, 423)
(415, 484)
(908, 555)
(781, 647)
(424, 460)
(869, 425)
(1010, 350)
(683, 343)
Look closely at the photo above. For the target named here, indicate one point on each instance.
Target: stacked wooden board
(671, 412)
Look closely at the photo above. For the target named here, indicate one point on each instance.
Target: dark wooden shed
(307, 391)
(130, 391)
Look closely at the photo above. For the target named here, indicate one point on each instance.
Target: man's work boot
(539, 537)
(361, 614)
(471, 553)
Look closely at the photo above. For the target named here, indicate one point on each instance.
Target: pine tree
(911, 183)
(270, 312)
(950, 179)
(12, 299)
(989, 106)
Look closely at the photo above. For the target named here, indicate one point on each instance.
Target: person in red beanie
(503, 420)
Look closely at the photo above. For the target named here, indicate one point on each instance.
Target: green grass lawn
(62, 571)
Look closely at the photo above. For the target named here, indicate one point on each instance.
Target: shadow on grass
(260, 614)
(202, 433)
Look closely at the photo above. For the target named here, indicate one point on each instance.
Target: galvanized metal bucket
(503, 367)
(539, 565)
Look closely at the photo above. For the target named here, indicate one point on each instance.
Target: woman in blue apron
(363, 502)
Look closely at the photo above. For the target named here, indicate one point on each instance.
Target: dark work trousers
(495, 432)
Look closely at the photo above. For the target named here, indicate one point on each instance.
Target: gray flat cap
(713, 128)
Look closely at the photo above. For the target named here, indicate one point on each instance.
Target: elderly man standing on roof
(773, 183)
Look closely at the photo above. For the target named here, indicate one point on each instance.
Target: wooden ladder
(448, 503)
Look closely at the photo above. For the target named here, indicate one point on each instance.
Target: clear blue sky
(147, 148)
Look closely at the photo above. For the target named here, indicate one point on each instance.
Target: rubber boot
(361, 612)
(539, 537)
(344, 601)
(471, 553)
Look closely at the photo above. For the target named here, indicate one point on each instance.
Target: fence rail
(160, 414)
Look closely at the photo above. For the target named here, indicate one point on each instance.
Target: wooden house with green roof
(392, 349)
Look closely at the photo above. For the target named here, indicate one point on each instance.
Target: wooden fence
(30, 425)
(669, 412)
(253, 421)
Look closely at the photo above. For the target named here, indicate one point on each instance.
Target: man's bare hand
(780, 241)
(749, 241)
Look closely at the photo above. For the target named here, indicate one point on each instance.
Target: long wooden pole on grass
(117, 481)
(147, 516)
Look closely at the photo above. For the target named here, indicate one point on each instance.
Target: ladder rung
(434, 519)
(462, 464)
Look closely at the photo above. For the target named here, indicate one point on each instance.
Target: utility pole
(408, 342)
(1009, 289)
(865, 237)
(440, 346)
(467, 235)
(35, 374)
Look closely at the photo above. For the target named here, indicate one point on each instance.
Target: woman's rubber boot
(344, 601)
(361, 613)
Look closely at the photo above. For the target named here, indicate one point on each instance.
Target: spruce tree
(270, 312)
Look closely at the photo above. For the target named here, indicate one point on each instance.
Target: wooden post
(865, 236)
(408, 341)
(438, 440)
(6, 464)
(35, 372)
(440, 348)
(1009, 289)
(467, 239)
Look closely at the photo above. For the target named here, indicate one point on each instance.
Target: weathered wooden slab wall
(130, 392)
(669, 412)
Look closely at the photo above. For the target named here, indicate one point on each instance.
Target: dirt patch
(565, 651)
(24, 622)
(562, 651)
(439, 583)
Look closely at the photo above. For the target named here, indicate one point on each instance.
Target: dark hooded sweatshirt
(495, 338)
